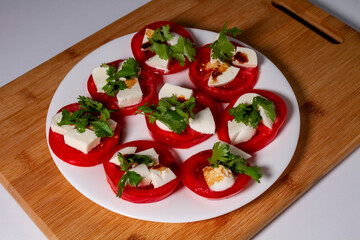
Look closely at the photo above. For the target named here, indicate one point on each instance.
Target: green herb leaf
(134, 178)
(233, 31)
(221, 156)
(170, 111)
(184, 48)
(129, 69)
(222, 48)
(267, 105)
(250, 114)
(102, 129)
(122, 183)
(141, 159)
(91, 113)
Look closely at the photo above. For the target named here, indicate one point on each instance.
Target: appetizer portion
(252, 120)
(83, 133)
(218, 173)
(122, 85)
(163, 47)
(182, 118)
(141, 171)
(222, 69)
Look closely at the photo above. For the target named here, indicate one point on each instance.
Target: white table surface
(37, 30)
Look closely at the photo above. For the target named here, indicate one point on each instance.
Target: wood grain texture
(324, 77)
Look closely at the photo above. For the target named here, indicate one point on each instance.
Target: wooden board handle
(309, 19)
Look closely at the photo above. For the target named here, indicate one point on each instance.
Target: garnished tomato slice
(141, 56)
(143, 194)
(76, 157)
(192, 177)
(199, 75)
(189, 137)
(148, 83)
(263, 135)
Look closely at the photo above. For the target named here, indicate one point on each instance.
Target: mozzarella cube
(131, 95)
(144, 172)
(162, 126)
(156, 62)
(265, 119)
(218, 179)
(59, 129)
(83, 142)
(112, 124)
(222, 73)
(148, 34)
(180, 92)
(244, 57)
(236, 151)
(161, 175)
(174, 39)
(239, 132)
(248, 100)
(99, 76)
(125, 151)
(151, 153)
(203, 122)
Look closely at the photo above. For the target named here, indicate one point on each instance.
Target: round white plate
(183, 205)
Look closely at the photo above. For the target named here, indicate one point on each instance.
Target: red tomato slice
(263, 135)
(148, 83)
(192, 176)
(144, 194)
(189, 137)
(245, 79)
(142, 56)
(75, 157)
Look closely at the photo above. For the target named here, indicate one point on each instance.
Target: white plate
(183, 205)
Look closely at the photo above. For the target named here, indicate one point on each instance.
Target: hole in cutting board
(309, 20)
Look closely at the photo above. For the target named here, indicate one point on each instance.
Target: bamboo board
(324, 76)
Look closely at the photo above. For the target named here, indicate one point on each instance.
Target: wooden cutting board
(324, 76)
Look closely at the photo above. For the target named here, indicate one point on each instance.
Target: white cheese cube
(161, 175)
(151, 153)
(265, 119)
(144, 172)
(148, 34)
(203, 122)
(244, 57)
(112, 124)
(125, 151)
(218, 179)
(222, 74)
(162, 126)
(131, 95)
(156, 62)
(239, 132)
(180, 92)
(236, 151)
(83, 142)
(59, 129)
(174, 39)
(99, 76)
(248, 100)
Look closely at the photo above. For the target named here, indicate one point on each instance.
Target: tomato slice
(141, 56)
(75, 157)
(144, 194)
(192, 177)
(199, 75)
(148, 83)
(263, 135)
(189, 137)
